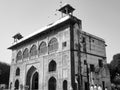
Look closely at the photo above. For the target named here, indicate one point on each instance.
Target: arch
(35, 81)
(53, 44)
(52, 66)
(42, 48)
(29, 77)
(52, 84)
(25, 53)
(65, 85)
(17, 84)
(33, 50)
(19, 55)
(17, 71)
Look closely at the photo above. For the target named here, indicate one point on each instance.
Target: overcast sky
(99, 17)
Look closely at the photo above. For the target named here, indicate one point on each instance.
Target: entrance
(35, 81)
(32, 79)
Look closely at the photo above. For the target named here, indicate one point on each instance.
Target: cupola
(17, 37)
(67, 9)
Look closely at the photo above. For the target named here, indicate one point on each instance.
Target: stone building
(59, 56)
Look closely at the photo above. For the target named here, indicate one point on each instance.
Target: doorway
(34, 81)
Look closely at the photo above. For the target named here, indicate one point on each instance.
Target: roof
(93, 36)
(47, 28)
(41, 30)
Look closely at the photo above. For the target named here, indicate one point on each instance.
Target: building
(59, 56)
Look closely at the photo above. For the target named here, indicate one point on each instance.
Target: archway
(35, 81)
(17, 84)
(52, 84)
(65, 85)
(32, 79)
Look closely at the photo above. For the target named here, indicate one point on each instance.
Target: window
(83, 39)
(53, 44)
(42, 48)
(64, 44)
(85, 62)
(17, 71)
(100, 62)
(26, 53)
(52, 66)
(19, 55)
(33, 50)
(64, 85)
(52, 84)
(92, 68)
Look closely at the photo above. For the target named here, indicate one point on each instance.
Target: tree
(4, 73)
(114, 68)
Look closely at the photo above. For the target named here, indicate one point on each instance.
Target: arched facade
(43, 48)
(53, 54)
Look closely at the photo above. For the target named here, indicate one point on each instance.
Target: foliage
(4, 73)
(114, 68)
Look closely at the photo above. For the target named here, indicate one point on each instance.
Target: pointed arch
(52, 66)
(17, 71)
(53, 45)
(52, 84)
(42, 48)
(17, 84)
(19, 56)
(29, 76)
(35, 81)
(33, 50)
(25, 53)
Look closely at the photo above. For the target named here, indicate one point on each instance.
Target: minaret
(67, 9)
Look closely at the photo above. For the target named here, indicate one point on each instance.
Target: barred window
(25, 53)
(42, 48)
(19, 56)
(17, 71)
(33, 50)
(53, 45)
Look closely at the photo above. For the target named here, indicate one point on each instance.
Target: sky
(99, 17)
